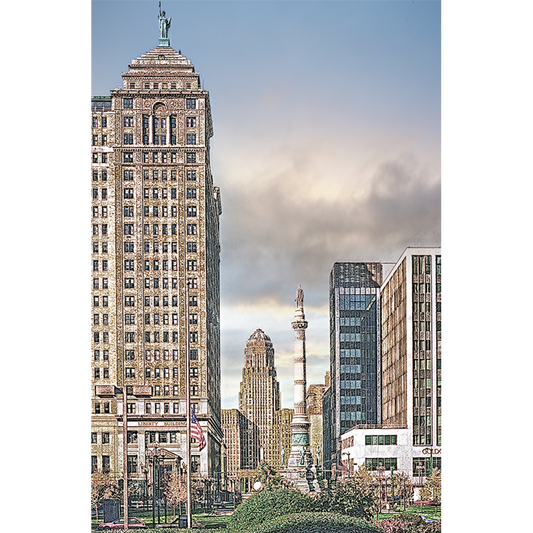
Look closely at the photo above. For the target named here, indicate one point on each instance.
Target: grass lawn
(429, 511)
(213, 521)
(208, 520)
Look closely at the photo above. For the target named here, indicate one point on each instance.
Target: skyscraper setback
(155, 266)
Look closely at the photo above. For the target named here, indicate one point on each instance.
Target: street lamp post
(156, 457)
(419, 469)
(349, 465)
(380, 469)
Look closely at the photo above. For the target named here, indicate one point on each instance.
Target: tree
(175, 490)
(403, 487)
(270, 478)
(103, 486)
(432, 488)
(354, 497)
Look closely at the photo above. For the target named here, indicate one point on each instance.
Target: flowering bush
(406, 523)
(392, 525)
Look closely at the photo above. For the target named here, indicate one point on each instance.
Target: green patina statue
(164, 24)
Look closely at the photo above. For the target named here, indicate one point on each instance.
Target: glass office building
(355, 355)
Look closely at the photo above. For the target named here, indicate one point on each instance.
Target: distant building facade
(314, 399)
(263, 426)
(411, 347)
(409, 436)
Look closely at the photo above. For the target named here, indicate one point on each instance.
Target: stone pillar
(300, 470)
(300, 423)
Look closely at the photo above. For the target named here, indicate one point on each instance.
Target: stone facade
(155, 266)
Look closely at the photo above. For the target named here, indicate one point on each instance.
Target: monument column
(300, 423)
(300, 469)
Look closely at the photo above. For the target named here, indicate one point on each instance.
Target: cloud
(302, 212)
(291, 210)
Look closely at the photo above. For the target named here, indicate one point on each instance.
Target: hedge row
(316, 523)
(269, 504)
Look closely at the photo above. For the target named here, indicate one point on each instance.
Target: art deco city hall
(155, 267)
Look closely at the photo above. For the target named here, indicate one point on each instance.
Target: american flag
(342, 467)
(197, 433)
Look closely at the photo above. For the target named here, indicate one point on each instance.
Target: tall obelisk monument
(300, 464)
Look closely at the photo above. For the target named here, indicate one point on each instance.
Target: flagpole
(187, 356)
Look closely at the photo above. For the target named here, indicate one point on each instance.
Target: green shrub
(316, 523)
(269, 504)
(352, 498)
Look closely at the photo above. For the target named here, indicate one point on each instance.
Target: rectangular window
(191, 138)
(191, 229)
(128, 103)
(132, 464)
(191, 122)
(191, 193)
(191, 157)
(128, 157)
(191, 103)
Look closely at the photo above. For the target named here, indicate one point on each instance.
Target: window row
(104, 299)
(105, 319)
(96, 283)
(157, 139)
(190, 103)
(105, 355)
(103, 122)
(128, 194)
(157, 157)
(103, 175)
(96, 229)
(129, 283)
(100, 157)
(104, 335)
(105, 374)
(156, 354)
(102, 211)
(156, 318)
(99, 140)
(193, 355)
(96, 265)
(155, 336)
(103, 194)
(388, 463)
(97, 247)
(373, 440)
(129, 264)
(106, 464)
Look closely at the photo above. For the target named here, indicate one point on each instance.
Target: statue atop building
(164, 25)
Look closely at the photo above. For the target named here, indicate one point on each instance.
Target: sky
(326, 147)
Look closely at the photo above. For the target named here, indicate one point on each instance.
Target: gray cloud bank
(289, 226)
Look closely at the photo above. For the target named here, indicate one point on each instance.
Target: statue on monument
(299, 297)
(302, 456)
(282, 456)
(164, 24)
(318, 455)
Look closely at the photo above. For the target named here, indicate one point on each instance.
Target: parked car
(175, 523)
(119, 524)
(427, 520)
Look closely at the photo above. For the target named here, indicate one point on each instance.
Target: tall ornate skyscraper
(259, 397)
(155, 266)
